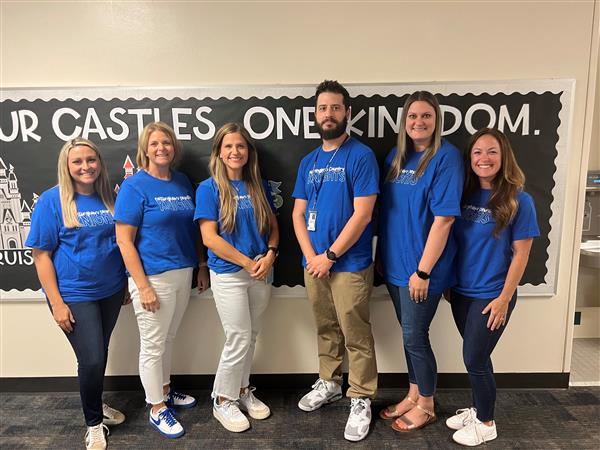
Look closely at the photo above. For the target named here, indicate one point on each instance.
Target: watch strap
(331, 256)
(423, 275)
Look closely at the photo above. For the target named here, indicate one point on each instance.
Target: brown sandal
(410, 426)
(391, 412)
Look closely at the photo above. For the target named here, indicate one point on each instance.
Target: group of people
(451, 225)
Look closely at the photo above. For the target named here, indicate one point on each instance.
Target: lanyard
(325, 170)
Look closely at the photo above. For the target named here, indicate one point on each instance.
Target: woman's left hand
(263, 266)
(498, 310)
(127, 298)
(203, 279)
(418, 288)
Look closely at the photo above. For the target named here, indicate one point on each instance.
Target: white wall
(195, 44)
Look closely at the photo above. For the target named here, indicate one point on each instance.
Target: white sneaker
(112, 416)
(357, 426)
(95, 439)
(253, 406)
(179, 400)
(462, 418)
(166, 423)
(230, 416)
(475, 433)
(323, 392)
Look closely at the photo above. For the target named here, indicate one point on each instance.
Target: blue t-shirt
(482, 260)
(86, 260)
(163, 212)
(330, 182)
(246, 237)
(408, 208)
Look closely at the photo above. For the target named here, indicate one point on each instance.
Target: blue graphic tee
(408, 208)
(329, 182)
(163, 212)
(86, 260)
(482, 261)
(246, 237)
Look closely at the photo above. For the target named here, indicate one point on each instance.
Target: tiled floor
(527, 419)
(585, 362)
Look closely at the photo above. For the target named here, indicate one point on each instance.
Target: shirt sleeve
(46, 222)
(365, 176)
(207, 202)
(300, 187)
(129, 207)
(525, 225)
(447, 185)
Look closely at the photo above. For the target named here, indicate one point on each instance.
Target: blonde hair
(250, 176)
(405, 143)
(66, 186)
(142, 151)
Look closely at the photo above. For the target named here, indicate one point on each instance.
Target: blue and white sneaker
(176, 399)
(166, 423)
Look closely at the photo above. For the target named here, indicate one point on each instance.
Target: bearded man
(336, 188)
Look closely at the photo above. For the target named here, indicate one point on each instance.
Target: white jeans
(241, 302)
(158, 329)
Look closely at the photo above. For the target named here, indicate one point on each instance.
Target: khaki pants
(340, 307)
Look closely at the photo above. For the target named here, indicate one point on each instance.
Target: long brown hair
(506, 184)
(405, 143)
(250, 176)
(67, 189)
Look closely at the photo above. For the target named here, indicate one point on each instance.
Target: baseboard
(283, 381)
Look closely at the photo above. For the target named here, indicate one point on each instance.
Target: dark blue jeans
(478, 344)
(415, 319)
(94, 323)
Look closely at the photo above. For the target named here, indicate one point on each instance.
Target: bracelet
(203, 264)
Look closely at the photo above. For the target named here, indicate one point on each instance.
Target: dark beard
(335, 132)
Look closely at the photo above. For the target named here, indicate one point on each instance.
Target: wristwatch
(275, 251)
(331, 256)
(423, 275)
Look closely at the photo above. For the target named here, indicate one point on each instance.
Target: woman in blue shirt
(81, 271)
(420, 196)
(494, 236)
(240, 230)
(159, 243)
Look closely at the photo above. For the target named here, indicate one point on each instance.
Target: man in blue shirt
(335, 192)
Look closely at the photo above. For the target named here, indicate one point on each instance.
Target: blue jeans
(478, 344)
(94, 323)
(415, 319)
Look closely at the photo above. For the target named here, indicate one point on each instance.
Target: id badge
(312, 220)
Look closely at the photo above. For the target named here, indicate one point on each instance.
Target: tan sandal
(410, 426)
(391, 412)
